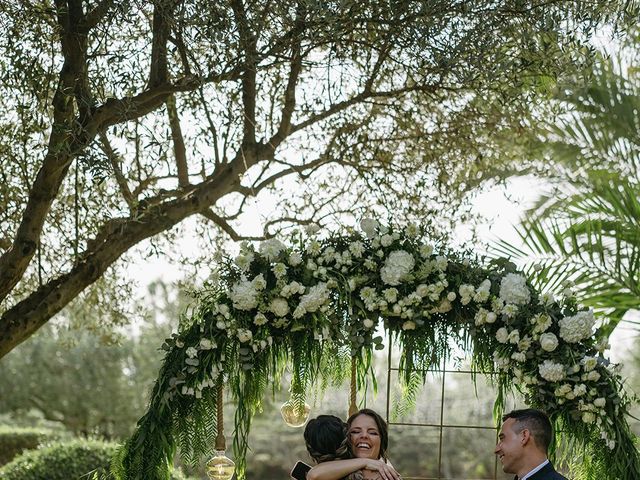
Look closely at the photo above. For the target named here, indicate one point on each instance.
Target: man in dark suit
(523, 443)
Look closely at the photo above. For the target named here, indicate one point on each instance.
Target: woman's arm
(337, 469)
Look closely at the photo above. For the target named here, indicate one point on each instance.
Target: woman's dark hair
(326, 438)
(382, 429)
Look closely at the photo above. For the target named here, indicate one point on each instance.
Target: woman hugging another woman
(355, 450)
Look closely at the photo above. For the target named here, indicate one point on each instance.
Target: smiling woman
(368, 439)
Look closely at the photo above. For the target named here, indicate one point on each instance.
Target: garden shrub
(71, 460)
(14, 441)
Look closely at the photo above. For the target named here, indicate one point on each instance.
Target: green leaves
(587, 230)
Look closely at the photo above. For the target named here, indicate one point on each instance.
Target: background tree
(118, 120)
(72, 379)
(586, 229)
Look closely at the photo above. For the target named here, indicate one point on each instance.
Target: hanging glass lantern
(220, 467)
(295, 412)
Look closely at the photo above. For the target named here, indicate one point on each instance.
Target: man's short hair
(536, 421)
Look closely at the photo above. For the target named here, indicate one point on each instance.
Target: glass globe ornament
(220, 467)
(295, 413)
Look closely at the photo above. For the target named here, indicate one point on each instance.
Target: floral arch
(314, 308)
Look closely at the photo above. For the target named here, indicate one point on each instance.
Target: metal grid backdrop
(469, 443)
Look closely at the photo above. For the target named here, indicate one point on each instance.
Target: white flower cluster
(270, 249)
(397, 267)
(551, 371)
(514, 290)
(577, 327)
(315, 299)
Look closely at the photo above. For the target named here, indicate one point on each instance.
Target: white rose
(491, 317)
(600, 402)
(451, 296)
(367, 322)
(514, 336)
(206, 344)
(593, 376)
(502, 335)
(588, 417)
(548, 342)
(409, 325)
(279, 306)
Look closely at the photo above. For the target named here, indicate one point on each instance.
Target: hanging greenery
(316, 306)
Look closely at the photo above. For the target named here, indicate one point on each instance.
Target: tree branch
(179, 150)
(162, 15)
(114, 159)
(115, 238)
(248, 45)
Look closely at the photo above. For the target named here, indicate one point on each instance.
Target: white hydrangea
(244, 295)
(369, 226)
(314, 299)
(396, 267)
(386, 240)
(577, 327)
(271, 248)
(279, 306)
(513, 289)
(551, 371)
(548, 342)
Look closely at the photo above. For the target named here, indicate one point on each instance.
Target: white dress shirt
(539, 467)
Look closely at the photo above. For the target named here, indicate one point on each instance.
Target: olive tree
(120, 119)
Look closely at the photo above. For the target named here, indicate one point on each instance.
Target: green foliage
(75, 381)
(586, 230)
(67, 460)
(13, 441)
(61, 461)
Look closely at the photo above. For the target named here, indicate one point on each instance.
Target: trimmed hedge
(65, 461)
(14, 441)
